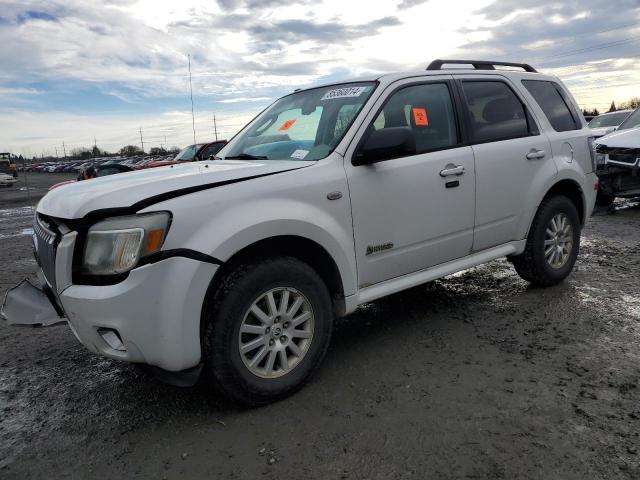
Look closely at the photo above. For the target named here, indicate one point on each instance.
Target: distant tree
(174, 150)
(130, 151)
(80, 153)
(613, 108)
(632, 103)
(157, 151)
(96, 152)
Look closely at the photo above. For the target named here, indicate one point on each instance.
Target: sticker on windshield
(420, 117)
(287, 125)
(343, 93)
(300, 154)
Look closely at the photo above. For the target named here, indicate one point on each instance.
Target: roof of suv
(486, 68)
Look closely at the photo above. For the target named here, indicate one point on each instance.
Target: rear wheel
(552, 245)
(267, 329)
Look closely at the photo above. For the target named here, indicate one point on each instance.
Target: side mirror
(385, 144)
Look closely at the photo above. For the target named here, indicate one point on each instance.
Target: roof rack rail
(480, 64)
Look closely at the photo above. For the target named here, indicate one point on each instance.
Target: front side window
(552, 103)
(428, 110)
(305, 125)
(632, 121)
(496, 113)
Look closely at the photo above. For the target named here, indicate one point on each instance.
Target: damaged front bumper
(29, 305)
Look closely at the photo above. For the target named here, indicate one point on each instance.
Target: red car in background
(192, 153)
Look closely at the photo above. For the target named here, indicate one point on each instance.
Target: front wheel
(552, 245)
(267, 329)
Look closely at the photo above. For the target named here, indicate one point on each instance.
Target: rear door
(513, 159)
(568, 134)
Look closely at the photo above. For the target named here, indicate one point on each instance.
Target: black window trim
(532, 127)
(461, 139)
(564, 96)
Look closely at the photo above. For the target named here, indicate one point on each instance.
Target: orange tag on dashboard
(287, 125)
(420, 117)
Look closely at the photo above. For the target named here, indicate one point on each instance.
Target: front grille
(623, 155)
(45, 243)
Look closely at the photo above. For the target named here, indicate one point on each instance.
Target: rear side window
(551, 101)
(428, 110)
(495, 110)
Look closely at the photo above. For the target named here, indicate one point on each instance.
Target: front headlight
(118, 244)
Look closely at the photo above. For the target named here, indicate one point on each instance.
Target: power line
(193, 121)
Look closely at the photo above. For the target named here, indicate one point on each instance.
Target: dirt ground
(474, 376)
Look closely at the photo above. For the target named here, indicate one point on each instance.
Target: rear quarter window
(550, 97)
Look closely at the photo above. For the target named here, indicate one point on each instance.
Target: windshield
(188, 153)
(608, 120)
(302, 126)
(632, 121)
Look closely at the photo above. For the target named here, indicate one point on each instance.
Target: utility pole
(56, 151)
(64, 149)
(193, 118)
(141, 142)
(215, 127)
(95, 146)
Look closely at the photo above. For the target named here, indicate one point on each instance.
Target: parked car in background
(7, 180)
(89, 172)
(618, 162)
(192, 153)
(608, 122)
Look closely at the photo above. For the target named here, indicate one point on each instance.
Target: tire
(604, 200)
(533, 265)
(228, 309)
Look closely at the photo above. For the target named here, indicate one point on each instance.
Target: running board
(398, 284)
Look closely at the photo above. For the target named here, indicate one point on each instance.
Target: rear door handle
(535, 154)
(451, 170)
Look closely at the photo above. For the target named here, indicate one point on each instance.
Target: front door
(413, 212)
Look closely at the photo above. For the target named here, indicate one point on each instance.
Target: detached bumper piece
(28, 305)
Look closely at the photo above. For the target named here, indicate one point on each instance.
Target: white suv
(332, 197)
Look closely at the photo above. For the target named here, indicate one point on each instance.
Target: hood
(629, 138)
(130, 189)
(601, 131)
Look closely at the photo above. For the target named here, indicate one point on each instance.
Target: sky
(79, 71)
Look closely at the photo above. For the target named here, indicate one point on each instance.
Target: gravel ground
(474, 376)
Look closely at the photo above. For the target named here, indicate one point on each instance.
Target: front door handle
(451, 170)
(535, 154)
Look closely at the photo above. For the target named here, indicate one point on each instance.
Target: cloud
(244, 99)
(130, 56)
(404, 4)
(35, 15)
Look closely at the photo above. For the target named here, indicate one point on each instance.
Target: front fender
(304, 220)
(221, 222)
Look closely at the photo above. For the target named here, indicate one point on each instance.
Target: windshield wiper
(246, 156)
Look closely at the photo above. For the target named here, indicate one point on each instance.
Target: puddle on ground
(15, 212)
(24, 231)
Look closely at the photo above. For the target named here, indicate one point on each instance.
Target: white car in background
(618, 161)
(6, 180)
(608, 122)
